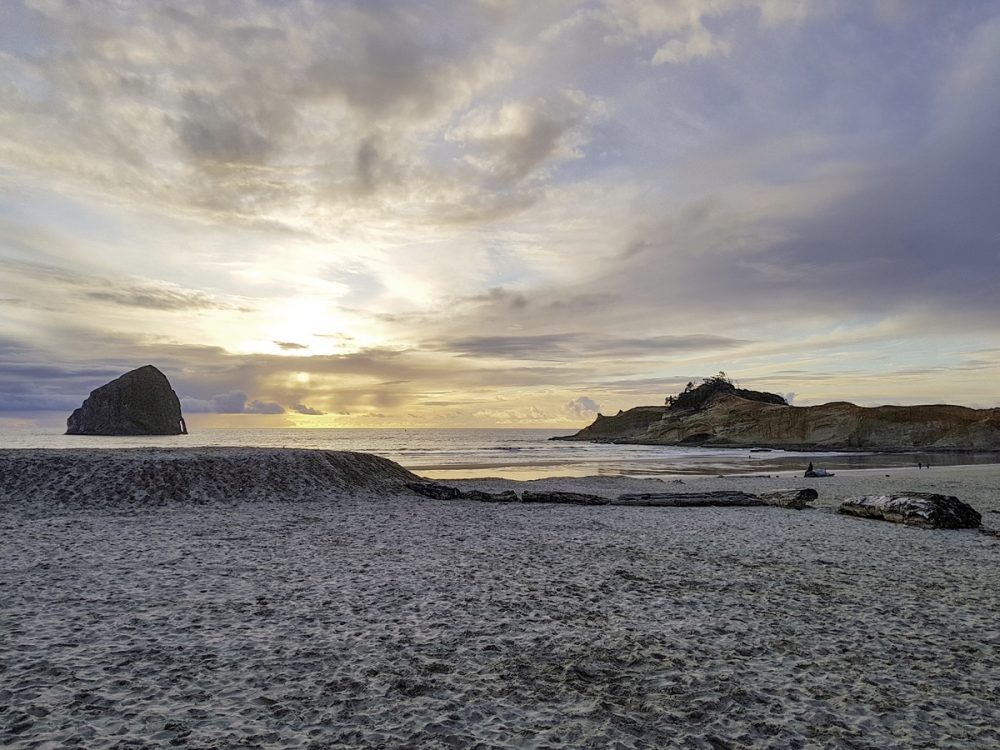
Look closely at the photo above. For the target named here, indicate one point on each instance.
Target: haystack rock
(140, 402)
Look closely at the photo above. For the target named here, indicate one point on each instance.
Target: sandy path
(408, 622)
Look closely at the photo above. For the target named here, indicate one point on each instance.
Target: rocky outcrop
(140, 402)
(620, 427)
(925, 509)
(728, 420)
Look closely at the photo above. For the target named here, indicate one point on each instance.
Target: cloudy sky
(424, 213)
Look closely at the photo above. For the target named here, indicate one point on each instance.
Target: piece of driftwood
(568, 498)
(435, 491)
(928, 510)
(796, 499)
(507, 496)
(723, 498)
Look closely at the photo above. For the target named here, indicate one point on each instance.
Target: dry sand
(382, 619)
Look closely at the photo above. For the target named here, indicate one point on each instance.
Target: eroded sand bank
(391, 620)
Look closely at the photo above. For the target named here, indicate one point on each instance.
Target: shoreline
(672, 467)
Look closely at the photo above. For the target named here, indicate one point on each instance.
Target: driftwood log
(925, 509)
(722, 498)
(507, 496)
(568, 498)
(725, 498)
(435, 491)
(794, 498)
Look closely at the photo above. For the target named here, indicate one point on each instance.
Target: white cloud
(699, 43)
(682, 26)
(582, 407)
(515, 139)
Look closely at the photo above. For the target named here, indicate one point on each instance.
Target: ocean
(508, 453)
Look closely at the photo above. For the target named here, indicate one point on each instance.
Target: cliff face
(140, 402)
(731, 421)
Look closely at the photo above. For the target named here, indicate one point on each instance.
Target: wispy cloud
(119, 290)
(307, 410)
(580, 346)
(235, 402)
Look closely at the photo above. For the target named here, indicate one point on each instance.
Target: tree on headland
(693, 398)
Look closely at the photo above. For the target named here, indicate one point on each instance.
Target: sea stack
(140, 402)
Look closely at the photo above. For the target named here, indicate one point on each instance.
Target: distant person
(920, 465)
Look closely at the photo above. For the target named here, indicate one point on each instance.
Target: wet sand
(387, 619)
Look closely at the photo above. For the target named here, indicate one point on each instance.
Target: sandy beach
(372, 617)
(444, 375)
